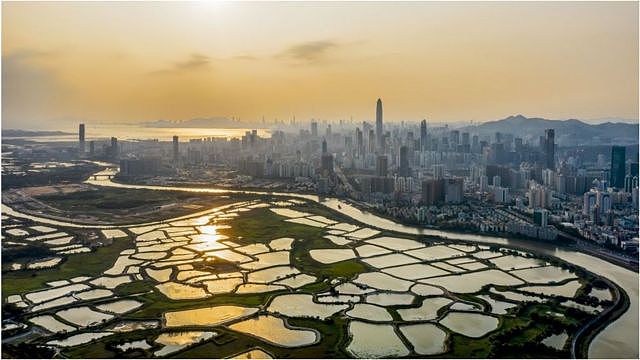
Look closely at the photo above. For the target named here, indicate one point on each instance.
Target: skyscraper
(324, 146)
(432, 192)
(381, 165)
(633, 169)
(372, 142)
(454, 138)
(314, 129)
(550, 153)
(359, 143)
(81, 139)
(453, 191)
(423, 135)
(176, 150)
(589, 201)
(465, 138)
(114, 148)
(327, 164)
(404, 170)
(618, 154)
(379, 126)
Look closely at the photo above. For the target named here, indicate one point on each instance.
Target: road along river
(618, 340)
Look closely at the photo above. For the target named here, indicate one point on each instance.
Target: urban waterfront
(172, 246)
(306, 179)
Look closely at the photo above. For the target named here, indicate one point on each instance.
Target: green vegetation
(135, 287)
(51, 176)
(262, 225)
(26, 351)
(156, 303)
(519, 334)
(28, 252)
(332, 332)
(132, 205)
(112, 199)
(305, 263)
(464, 347)
(86, 264)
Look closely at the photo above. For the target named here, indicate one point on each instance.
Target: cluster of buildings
(413, 172)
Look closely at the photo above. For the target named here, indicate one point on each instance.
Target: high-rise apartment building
(423, 135)
(550, 149)
(618, 154)
(81, 147)
(176, 149)
(404, 169)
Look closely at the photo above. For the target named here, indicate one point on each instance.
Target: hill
(569, 132)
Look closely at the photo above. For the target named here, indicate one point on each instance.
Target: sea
(137, 132)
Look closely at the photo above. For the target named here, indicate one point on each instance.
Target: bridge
(103, 176)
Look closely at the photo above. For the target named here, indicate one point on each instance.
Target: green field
(520, 331)
(86, 264)
(131, 205)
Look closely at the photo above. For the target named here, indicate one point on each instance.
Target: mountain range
(569, 132)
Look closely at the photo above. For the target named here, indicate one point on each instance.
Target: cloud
(245, 57)
(310, 52)
(193, 62)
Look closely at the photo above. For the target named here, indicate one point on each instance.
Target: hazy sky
(128, 62)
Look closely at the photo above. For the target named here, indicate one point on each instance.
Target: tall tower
(550, 146)
(404, 170)
(114, 148)
(81, 139)
(423, 135)
(379, 126)
(618, 154)
(176, 149)
(372, 142)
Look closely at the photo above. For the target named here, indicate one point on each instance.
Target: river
(618, 340)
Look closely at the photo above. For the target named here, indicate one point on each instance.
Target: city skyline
(479, 62)
(320, 179)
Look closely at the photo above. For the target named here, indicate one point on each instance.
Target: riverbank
(618, 339)
(260, 225)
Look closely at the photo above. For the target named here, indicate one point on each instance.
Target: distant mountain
(567, 132)
(31, 133)
(213, 122)
(610, 119)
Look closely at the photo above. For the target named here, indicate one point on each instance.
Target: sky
(119, 62)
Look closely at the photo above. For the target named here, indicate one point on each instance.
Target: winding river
(618, 340)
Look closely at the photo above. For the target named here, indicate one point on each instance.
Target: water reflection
(209, 316)
(619, 339)
(274, 330)
(176, 341)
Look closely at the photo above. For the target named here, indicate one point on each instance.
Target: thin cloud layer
(442, 61)
(193, 62)
(310, 52)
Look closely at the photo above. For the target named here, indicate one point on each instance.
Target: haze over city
(446, 62)
(306, 180)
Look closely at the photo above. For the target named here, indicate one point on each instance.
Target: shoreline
(620, 279)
